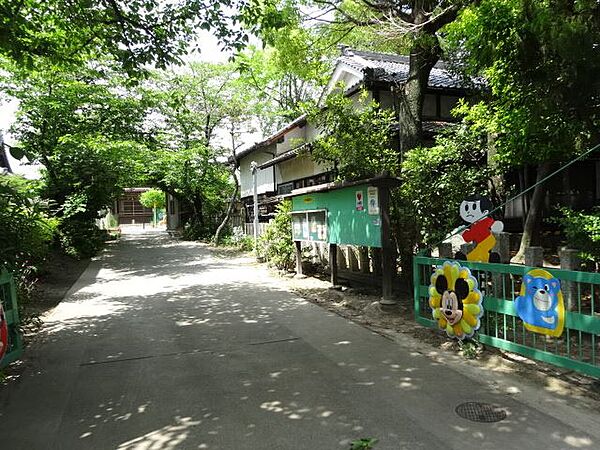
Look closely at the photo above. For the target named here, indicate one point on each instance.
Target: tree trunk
(217, 237)
(410, 120)
(531, 230)
(412, 94)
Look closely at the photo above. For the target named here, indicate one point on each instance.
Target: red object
(3, 333)
(479, 231)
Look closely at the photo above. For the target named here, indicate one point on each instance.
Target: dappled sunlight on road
(166, 345)
(165, 438)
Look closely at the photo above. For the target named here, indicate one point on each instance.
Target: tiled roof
(394, 68)
(300, 121)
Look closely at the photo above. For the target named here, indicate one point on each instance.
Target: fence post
(341, 257)
(352, 259)
(534, 256)
(570, 260)
(445, 250)
(503, 247)
(333, 265)
(298, 245)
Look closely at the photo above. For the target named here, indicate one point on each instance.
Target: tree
(437, 179)
(408, 26)
(281, 88)
(541, 61)
(154, 199)
(134, 33)
(355, 141)
(87, 132)
(195, 112)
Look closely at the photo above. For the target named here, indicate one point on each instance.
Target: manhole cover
(480, 412)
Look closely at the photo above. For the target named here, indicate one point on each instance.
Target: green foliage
(136, 33)
(87, 132)
(541, 62)
(283, 78)
(582, 231)
(355, 137)
(186, 155)
(436, 180)
(153, 198)
(26, 231)
(276, 243)
(238, 239)
(470, 349)
(81, 239)
(363, 444)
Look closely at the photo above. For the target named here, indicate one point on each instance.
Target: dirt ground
(59, 274)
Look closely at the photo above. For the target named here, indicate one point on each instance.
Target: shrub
(26, 231)
(582, 231)
(81, 239)
(276, 243)
(239, 239)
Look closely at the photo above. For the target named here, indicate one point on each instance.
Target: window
(447, 104)
(130, 206)
(285, 188)
(430, 106)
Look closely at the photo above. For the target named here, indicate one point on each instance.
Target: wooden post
(365, 266)
(333, 267)
(388, 258)
(377, 261)
(298, 245)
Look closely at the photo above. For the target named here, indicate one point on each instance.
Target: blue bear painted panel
(539, 304)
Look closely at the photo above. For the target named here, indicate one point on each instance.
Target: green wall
(345, 223)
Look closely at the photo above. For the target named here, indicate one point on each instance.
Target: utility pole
(254, 169)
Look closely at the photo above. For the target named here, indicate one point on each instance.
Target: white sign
(359, 201)
(305, 233)
(373, 200)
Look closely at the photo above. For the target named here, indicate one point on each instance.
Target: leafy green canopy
(135, 33)
(153, 198)
(198, 119)
(355, 137)
(85, 130)
(541, 60)
(300, 45)
(436, 180)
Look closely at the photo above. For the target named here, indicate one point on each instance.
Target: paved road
(160, 345)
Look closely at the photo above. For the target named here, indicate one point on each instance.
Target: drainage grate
(480, 412)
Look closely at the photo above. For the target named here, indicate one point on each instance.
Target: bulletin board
(310, 225)
(351, 215)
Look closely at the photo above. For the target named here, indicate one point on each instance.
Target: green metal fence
(578, 346)
(8, 297)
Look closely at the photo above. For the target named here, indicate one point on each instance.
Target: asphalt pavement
(162, 344)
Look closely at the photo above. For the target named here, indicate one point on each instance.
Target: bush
(582, 231)
(276, 243)
(195, 231)
(81, 239)
(238, 239)
(26, 231)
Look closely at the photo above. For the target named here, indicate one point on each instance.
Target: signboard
(359, 201)
(373, 200)
(343, 219)
(309, 225)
